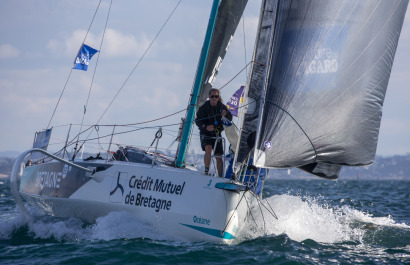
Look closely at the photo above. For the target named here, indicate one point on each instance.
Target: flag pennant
(83, 57)
(234, 101)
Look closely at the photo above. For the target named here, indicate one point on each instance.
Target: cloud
(116, 43)
(69, 45)
(8, 51)
(160, 98)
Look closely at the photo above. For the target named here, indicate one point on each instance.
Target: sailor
(209, 119)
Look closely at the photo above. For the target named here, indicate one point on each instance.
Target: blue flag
(226, 122)
(83, 57)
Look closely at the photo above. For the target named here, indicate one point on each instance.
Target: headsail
(330, 66)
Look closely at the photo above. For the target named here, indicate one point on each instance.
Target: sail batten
(325, 86)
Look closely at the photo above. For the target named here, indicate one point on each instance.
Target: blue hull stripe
(212, 232)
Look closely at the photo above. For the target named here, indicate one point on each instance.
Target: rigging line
(99, 143)
(163, 117)
(96, 64)
(137, 129)
(169, 147)
(226, 205)
(124, 132)
(243, 195)
(244, 45)
(139, 61)
(137, 123)
(131, 124)
(263, 217)
(245, 67)
(272, 210)
(89, 27)
(68, 78)
(72, 141)
(272, 213)
(276, 105)
(61, 95)
(250, 212)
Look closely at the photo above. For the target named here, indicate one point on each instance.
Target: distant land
(384, 168)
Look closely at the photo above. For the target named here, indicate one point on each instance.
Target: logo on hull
(117, 187)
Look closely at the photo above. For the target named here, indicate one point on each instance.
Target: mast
(197, 85)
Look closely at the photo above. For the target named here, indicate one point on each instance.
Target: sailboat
(314, 100)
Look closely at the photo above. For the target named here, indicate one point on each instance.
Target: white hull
(179, 203)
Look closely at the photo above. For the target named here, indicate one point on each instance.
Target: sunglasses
(214, 96)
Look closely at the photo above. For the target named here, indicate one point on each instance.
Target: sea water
(308, 222)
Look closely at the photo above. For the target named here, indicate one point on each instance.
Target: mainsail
(227, 20)
(219, 34)
(329, 68)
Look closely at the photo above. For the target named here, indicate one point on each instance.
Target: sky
(40, 39)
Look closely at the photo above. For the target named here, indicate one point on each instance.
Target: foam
(116, 225)
(10, 223)
(122, 225)
(66, 229)
(305, 218)
(300, 218)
